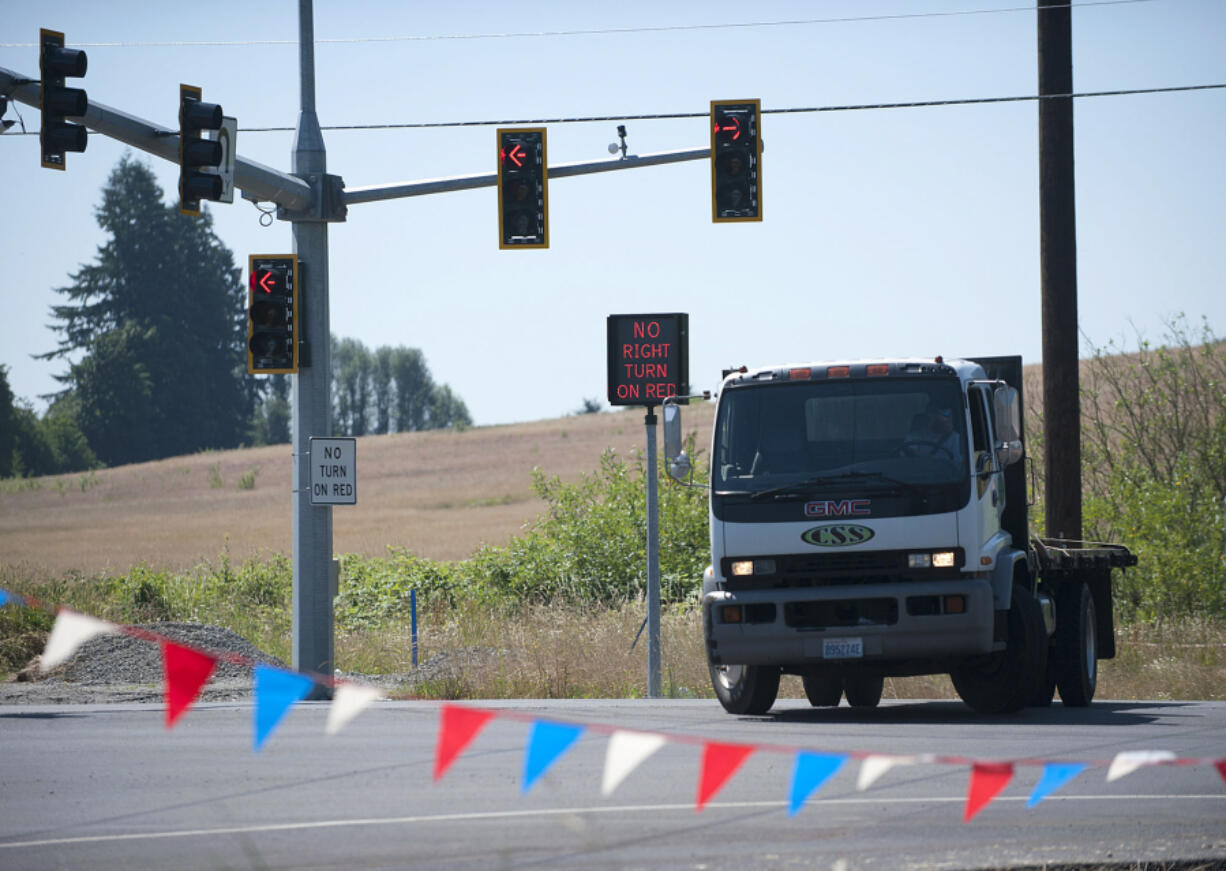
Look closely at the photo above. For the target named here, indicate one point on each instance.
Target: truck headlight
(744, 567)
(941, 559)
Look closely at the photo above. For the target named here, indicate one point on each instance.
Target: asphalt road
(106, 786)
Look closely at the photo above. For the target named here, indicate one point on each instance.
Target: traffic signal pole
(312, 538)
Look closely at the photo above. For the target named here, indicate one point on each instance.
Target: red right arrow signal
(733, 126)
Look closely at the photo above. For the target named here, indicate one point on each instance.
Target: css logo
(837, 535)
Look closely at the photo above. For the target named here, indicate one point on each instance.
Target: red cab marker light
(838, 371)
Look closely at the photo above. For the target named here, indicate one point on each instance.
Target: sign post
(649, 362)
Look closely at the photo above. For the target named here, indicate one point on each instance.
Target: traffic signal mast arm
(265, 184)
(375, 193)
(257, 182)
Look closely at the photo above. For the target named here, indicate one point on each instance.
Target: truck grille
(822, 570)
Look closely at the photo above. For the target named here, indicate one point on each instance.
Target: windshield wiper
(799, 488)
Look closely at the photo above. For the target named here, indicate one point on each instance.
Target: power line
(594, 32)
(673, 116)
(668, 116)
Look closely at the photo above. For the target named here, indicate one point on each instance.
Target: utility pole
(1058, 270)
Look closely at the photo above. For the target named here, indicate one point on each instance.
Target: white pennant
(1130, 760)
(874, 766)
(349, 700)
(70, 631)
(627, 750)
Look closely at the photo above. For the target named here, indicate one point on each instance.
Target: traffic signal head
(199, 158)
(56, 63)
(523, 189)
(272, 316)
(736, 160)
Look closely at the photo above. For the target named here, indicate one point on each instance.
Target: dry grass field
(437, 494)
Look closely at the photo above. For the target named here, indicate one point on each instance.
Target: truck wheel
(745, 689)
(1005, 682)
(864, 692)
(822, 690)
(1047, 687)
(1076, 650)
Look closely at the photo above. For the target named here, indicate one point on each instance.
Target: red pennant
(719, 763)
(457, 728)
(187, 671)
(1220, 765)
(987, 780)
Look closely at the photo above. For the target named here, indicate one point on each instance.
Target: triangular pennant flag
(6, 597)
(627, 750)
(719, 763)
(69, 632)
(186, 671)
(1055, 775)
(811, 772)
(348, 700)
(1129, 761)
(987, 780)
(873, 767)
(1220, 765)
(275, 692)
(457, 728)
(546, 743)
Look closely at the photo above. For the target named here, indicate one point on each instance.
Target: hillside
(439, 494)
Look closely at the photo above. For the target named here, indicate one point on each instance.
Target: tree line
(154, 336)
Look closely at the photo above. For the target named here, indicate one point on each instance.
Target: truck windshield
(859, 434)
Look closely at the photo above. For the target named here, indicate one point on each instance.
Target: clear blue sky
(886, 232)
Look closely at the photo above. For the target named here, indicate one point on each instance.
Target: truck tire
(745, 689)
(822, 690)
(1005, 682)
(864, 692)
(1046, 690)
(1076, 650)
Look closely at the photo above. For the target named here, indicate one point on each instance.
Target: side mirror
(1008, 425)
(676, 461)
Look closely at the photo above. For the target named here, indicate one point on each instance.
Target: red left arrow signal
(517, 154)
(267, 277)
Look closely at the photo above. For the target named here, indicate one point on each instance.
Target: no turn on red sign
(334, 471)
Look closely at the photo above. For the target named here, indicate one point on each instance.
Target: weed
(215, 481)
(246, 481)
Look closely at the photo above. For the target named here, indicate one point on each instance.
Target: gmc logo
(839, 508)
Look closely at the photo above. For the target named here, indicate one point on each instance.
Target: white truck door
(987, 484)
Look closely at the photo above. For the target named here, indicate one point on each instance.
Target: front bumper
(893, 621)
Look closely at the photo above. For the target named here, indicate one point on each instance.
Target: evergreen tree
(160, 317)
(8, 424)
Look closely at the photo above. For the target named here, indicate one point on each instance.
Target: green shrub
(590, 545)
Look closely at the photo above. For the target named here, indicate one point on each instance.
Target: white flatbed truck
(869, 519)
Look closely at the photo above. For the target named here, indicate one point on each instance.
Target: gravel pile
(122, 659)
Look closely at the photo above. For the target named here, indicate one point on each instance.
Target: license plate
(843, 648)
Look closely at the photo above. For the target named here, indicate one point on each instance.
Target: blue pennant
(5, 595)
(547, 742)
(275, 692)
(1055, 775)
(811, 772)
